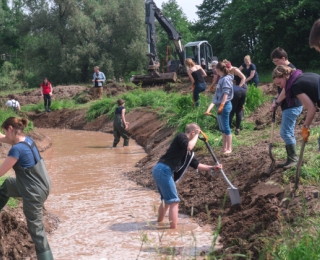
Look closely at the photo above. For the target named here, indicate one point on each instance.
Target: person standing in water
(172, 161)
(120, 124)
(32, 181)
(46, 93)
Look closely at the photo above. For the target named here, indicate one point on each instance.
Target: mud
(95, 203)
(260, 214)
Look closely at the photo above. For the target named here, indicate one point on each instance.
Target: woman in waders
(120, 124)
(32, 182)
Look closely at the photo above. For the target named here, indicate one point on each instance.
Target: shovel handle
(296, 185)
(217, 163)
(272, 125)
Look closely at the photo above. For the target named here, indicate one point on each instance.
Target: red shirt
(46, 89)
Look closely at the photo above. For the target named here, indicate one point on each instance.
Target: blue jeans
(288, 122)
(198, 88)
(223, 119)
(162, 175)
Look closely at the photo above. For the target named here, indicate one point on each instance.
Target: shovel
(273, 161)
(296, 185)
(210, 114)
(233, 191)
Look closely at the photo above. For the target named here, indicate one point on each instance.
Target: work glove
(192, 87)
(305, 133)
(207, 113)
(220, 108)
(211, 88)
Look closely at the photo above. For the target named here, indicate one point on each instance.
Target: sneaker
(237, 131)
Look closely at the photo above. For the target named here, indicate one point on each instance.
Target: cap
(214, 62)
(202, 58)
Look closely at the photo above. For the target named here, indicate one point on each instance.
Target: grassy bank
(177, 110)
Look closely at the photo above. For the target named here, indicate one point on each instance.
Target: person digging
(120, 124)
(178, 157)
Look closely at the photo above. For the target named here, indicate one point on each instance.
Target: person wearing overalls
(120, 124)
(32, 181)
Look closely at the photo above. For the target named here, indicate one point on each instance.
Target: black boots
(126, 142)
(292, 157)
(45, 255)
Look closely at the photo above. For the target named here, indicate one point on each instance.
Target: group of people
(294, 88)
(32, 183)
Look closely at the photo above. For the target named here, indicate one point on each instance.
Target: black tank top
(119, 110)
(197, 76)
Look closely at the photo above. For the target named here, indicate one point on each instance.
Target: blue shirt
(247, 72)
(225, 86)
(23, 153)
(100, 76)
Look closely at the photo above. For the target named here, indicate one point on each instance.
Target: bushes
(254, 99)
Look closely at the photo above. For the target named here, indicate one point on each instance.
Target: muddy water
(103, 215)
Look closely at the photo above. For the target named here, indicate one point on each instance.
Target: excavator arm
(152, 13)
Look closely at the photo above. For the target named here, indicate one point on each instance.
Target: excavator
(200, 51)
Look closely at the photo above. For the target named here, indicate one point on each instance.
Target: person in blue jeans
(222, 99)
(250, 71)
(196, 74)
(289, 113)
(173, 160)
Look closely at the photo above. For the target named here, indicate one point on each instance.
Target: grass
(5, 113)
(55, 105)
(176, 110)
(13, 202)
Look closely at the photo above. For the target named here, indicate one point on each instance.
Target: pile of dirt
(16, 242)
(80, 93)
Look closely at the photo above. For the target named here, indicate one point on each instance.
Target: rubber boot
(292, 157)
(126, 142)
(45, 255)
(3, 202)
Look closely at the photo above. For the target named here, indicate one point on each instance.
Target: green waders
(33, 185)
(119, 131)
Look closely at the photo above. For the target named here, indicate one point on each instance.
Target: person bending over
(196, 74)
(171, 161)
(304, 86)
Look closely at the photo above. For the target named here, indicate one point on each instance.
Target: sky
(188, 7)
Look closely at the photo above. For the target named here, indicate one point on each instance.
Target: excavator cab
(201, 53)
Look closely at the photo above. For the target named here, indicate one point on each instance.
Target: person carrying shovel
(304, 86)
(222, 99)
(289, 113)
(172, 161)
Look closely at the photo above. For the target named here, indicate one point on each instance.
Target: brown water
(104, 215)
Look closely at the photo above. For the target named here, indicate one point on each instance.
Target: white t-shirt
(12, 103)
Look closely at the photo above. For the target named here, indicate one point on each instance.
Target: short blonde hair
(189, 63)
(96, 67)
(247, 57)
(191, 127)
